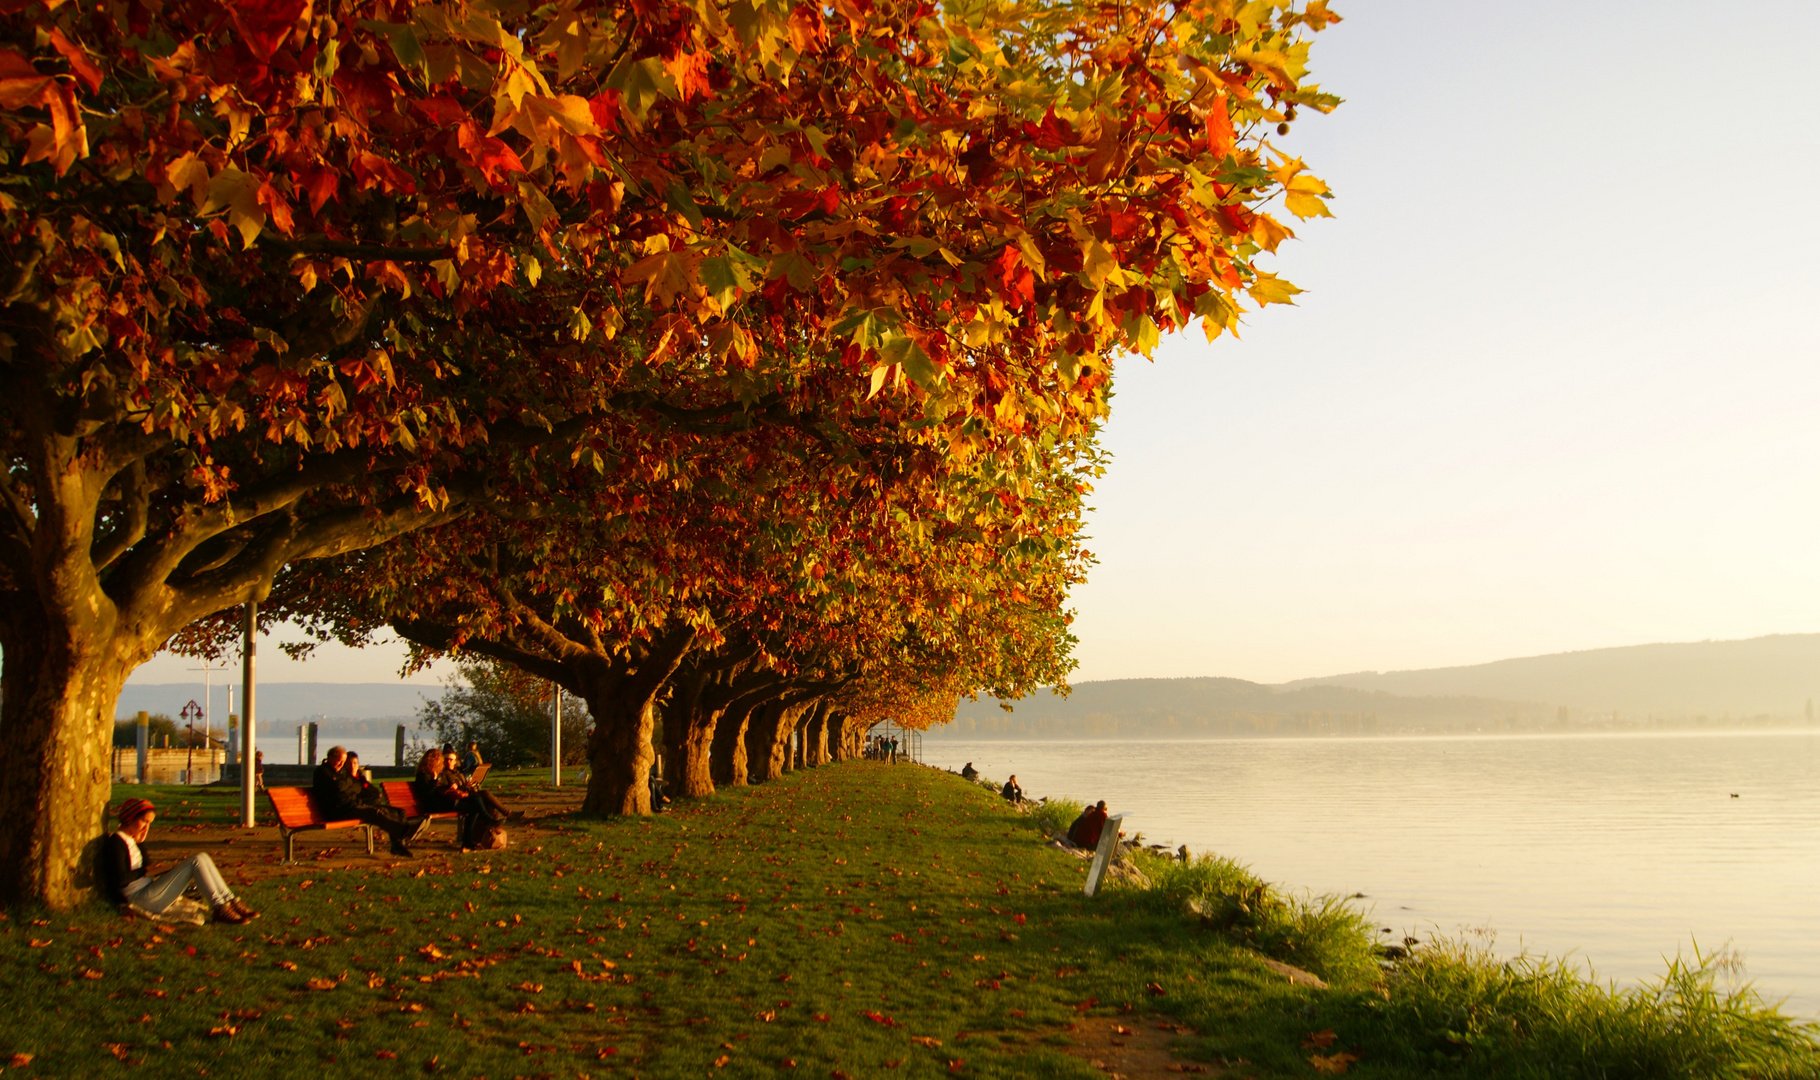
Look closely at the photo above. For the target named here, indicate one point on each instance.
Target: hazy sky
(1555, 384)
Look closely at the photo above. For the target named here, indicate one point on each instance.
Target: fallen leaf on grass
(385, 1055)
(955, 1065)
(322, 984)
(606, 1052)
(1156, 989)
(90, 973)
(821, 1018)
(20, 1061)
(1320, 1040)
(224, 1031)
(924, 1040)
(286, 965)
(36, 944)
(1121, 1029)
(119, 1050)
(530, 987)
(1333, 1063)
(721, 1060)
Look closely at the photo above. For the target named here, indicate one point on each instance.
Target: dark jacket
(336, 793)
(117, 867)
(433, 794)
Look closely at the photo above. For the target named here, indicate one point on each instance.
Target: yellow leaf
(1100, 265)
(1305, 195)
(1270, 289)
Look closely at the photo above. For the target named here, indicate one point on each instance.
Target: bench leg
(369, 830)
(290, 845)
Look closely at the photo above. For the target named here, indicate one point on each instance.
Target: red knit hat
(132, 808)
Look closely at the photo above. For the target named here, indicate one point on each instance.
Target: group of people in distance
(340, 789)
(880, 748)
(1086, 830)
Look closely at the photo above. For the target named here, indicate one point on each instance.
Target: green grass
(830, 919)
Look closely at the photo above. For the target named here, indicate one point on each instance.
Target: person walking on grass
(125, 880)
(337, 795)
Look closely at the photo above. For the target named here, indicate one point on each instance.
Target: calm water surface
(1616, 849)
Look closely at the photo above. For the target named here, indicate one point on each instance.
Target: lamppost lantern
(190, 713)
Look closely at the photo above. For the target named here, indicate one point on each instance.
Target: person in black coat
(124, 879)
(337, 794)
(1012, 792)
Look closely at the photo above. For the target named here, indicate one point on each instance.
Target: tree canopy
(294, 279)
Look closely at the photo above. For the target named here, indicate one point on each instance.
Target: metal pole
(249, 755)
(556, 735)
(143, 740)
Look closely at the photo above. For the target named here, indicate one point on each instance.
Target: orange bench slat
(296, 809)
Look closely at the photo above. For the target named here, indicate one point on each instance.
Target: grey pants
(162, 891)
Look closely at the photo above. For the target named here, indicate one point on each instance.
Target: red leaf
(84, 68)
(264, 24)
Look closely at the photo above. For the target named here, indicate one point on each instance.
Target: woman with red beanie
(125, 881)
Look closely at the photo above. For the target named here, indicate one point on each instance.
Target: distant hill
(1774, 676)
(1209, 707)
(1766, 681)
(340, 707)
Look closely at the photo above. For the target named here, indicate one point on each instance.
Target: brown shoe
(226, 913)
(246, 913)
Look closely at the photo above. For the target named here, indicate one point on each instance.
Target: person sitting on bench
(124, 878)
(371, 794)
(337, 795)
(440, 789)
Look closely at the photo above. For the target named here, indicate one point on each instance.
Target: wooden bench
(400, 795)
(296, 810)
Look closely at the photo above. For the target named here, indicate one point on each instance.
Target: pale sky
(1555, 383)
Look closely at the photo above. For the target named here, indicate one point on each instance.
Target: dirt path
(1128, 1048)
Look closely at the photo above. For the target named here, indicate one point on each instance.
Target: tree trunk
(619, 755)
(840, 737)
(688, 742)
(623, 703)
(728, 757)
(768, 740)
(59, 686)
(815, 739)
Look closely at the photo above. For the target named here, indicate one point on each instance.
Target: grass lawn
(859, 920)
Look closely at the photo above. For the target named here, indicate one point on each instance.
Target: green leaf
(682, 202)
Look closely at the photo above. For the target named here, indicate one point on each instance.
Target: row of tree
(748, 352)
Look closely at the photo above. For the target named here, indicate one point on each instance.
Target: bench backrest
(295, 807)
(402, 798)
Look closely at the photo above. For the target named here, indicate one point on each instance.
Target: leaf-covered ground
(859, 920)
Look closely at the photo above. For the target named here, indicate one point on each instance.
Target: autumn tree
(289, 279)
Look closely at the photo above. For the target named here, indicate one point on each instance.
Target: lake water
(1616, 849)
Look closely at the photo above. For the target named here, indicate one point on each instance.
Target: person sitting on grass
(1011, 791)
(337, 795)
(968, 772)
(1085, 832)
(124, 877)
(441, 789)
